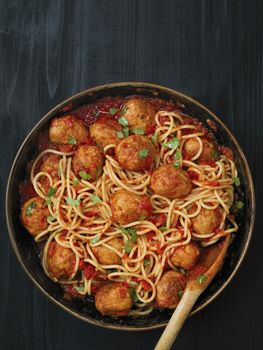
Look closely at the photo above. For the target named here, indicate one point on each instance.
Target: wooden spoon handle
(177, 320)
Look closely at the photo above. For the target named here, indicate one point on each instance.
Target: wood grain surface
(209, 49)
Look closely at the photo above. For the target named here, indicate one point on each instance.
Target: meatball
(207, 220)
(168, 288)
(89, 159)
(34, 215)
(170, 182)
(107, 256)
(136, 153)
(127, 206)
(113, 299)
(104, 131)
(67, 130)
(139, 113)
(191, 147)
(60, 261)
(186, 256)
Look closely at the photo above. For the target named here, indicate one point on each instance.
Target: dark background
(211, 50)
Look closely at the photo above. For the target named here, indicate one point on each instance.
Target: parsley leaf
(123, 111)
(138, 131)
(130, 232)
(72, 202)
(133, 294)
(162, 228)
(113, 111)
(126, 131)
(237, 181)
(80, 289)
(95, 239)
(95, 199)
(175, 142)
(215, 155)
(48, 201)
(143, 153)
(75, 181)
(201, 278)
(123, 121)
(128, 246)
(154, 138)
(120, 135)
(239, 204)
(29, 208)
(51, 191)
(71, 140)
(178, 159)
(84, 175)
(146, 262)
(51, 218)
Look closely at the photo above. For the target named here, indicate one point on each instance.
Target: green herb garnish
(95, 199)
(180, 293)
(175, 142)
(113, 111)
(123, 111)
(162, 228)
(84, 175)
(128, 246)
(143, 153)
(138, 131)
(126, 131)
(51, 192)
(237, 181)
(130, 232)
(133, 294)
(201, 279)
(239, 204)
(72, 202)
(120, 135)
(51, 218)
(79, 289)
(48, 201)
(123, 121)
(95, 239)
(71, 140)
(29, 208)
(75, 181)
(146, 262)
(215, 155)
(154, 138)
(178, 159)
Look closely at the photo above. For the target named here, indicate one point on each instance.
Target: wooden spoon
(212, 260)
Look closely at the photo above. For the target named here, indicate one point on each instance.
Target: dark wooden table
(211, 50)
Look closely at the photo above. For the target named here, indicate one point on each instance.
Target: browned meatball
(89, 159)
(139, 113)
(170, 182)
(104, 131)
(67, 130)
(186, 256)
(34, 215)
(168, 288)
(207, 220)
(136, 153)
(107, 256)
(113, 299)
(127, 206)
(191, 147)
(60, 261)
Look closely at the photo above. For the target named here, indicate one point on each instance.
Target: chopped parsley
(51, 218)
(239, 204)
(133, 294)
(143, 153)
(215, 155)
(80, 289)
(75, 181)
(138, 131)
(123, 121)
(84, 175)
(126, 131)
(120, 135)
(146, 262)
(29, 208)
(130, 232)
(162, 228)
(51, 192)
(48, 201)
(71, 140)
(201, 278)
(113, 111)
(128, 246)
(154, 138)
(72, 202)
(95, 239)
(95, 199)
(178, 159)
(123, 111)
(175, 142)
(237, 181)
